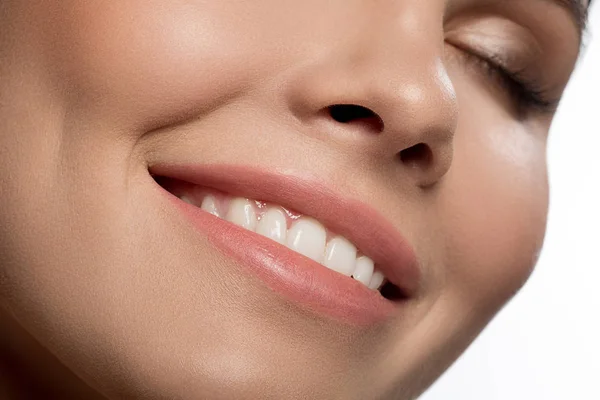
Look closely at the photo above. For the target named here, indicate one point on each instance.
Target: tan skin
(106, 292)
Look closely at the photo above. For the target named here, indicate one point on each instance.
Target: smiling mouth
(299, 233)
(302, 234)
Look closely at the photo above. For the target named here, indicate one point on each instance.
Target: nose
(388, 93)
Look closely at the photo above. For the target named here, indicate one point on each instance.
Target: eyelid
(496, 38)
(496, 59)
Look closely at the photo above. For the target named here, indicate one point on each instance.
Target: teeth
(273, 225)
(376, 280)
(209, 204)
(364, 270)
(241, 212)
(307, 237)
(340, 256)
(187, 200)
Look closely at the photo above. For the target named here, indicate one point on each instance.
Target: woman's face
(414, 130)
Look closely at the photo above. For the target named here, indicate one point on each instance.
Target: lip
(287, 272)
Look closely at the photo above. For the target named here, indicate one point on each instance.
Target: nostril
(358, 115)
(419, 155)
(345, 113)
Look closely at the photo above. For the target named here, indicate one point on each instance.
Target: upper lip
(373, 234)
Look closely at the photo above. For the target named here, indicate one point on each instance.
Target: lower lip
(290, 274)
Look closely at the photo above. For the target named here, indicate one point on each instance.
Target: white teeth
(307, 237)
(209, 204)
(364, 270)
(376, 280)
(340, 256)
(186, 199)
(241, 212)
(273, 225)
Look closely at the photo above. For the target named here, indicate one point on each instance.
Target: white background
(545, 345)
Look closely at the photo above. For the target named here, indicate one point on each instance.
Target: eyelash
(527, 94)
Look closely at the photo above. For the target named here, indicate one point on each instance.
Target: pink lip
(287, 272)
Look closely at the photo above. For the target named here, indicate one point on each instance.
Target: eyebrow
(577, 10)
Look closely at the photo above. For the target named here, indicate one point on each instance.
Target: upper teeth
(303, 234)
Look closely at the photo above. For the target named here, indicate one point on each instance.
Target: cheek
(137, 61)
(495, 209)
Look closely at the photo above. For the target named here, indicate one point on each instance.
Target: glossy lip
(286, 271)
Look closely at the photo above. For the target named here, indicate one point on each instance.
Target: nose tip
(423, 151)
(410, 121)
(425, 159)
(391, 96)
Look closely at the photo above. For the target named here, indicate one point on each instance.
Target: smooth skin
(105, 289)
